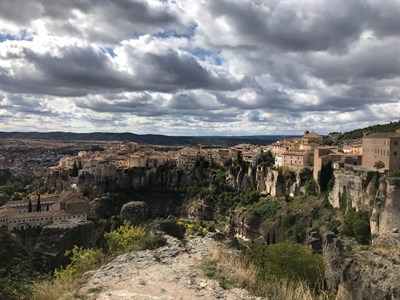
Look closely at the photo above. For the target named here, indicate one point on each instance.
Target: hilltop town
(378, 151)
(315, 190)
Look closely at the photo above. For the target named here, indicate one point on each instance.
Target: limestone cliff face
(354, 188)
(135, 178)
(264, 180)
(367, 191)
(385, 218)
(362, 274)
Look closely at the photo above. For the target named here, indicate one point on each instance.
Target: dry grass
(287, 290)
(386, 251)
(234, 265)
(245, 275)
(55, 290)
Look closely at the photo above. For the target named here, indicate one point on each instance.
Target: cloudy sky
(198, 67)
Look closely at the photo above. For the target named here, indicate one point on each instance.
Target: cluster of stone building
(104, 165)
(310, 151)
(295, 153)
(23, 214)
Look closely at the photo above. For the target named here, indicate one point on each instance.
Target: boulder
(135, 212)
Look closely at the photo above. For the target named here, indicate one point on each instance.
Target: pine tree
(38, 204)
(74, 170)
(30, 206)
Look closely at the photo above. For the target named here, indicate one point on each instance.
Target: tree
(324, 176)
(74, 170)
(38, 204)
(379, 165)
(30, 206)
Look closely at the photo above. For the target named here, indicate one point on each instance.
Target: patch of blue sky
(108, 50)
(22, 36)
(188, 34)
(204, 54)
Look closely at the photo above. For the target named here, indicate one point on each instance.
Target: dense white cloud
(198, 67)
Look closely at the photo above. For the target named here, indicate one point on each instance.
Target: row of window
(40, 219)
(380, 142)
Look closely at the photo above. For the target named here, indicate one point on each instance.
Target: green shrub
(356, 224)
(306, 174)
(82, 260)
(266, 208)
(287, 261)
(311, 187)
(126, 238)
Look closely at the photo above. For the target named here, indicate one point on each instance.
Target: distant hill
(150, 139)
(359, 133)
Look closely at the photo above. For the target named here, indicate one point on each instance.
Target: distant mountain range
(150, 139)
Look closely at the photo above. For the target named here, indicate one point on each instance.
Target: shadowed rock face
(54, 240)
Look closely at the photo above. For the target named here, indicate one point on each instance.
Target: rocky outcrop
(264, 180)
(385, 218)
(166, 177)
(201, 209)
(354, 188)
(54, 240)
(369, 191)
(245, 225)
(170, 272)
(367, 274)
(135, 212)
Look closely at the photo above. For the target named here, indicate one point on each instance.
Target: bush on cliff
(356, 224)
(15, 271)
(131, 238)
(82, 260)
(287, 261)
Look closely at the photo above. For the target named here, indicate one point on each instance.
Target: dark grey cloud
(278, 61)
(80, 71)
(95, 20)
(291, 26)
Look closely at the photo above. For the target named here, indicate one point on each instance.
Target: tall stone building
(383, 147)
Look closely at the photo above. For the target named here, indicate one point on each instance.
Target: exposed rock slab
(169, 272)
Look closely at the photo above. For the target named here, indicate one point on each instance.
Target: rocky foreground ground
(170, 272)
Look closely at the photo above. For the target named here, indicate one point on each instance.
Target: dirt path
(170, 272)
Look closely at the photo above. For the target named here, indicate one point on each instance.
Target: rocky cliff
(264, 180)
(385, 218)
(165, 177)
(54, 240)
(354, 188)
(369, 191)
(372, 273)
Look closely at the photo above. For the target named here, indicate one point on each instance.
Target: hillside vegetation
(359, 133)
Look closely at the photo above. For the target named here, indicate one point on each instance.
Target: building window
(395, 153)
(395, 143)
